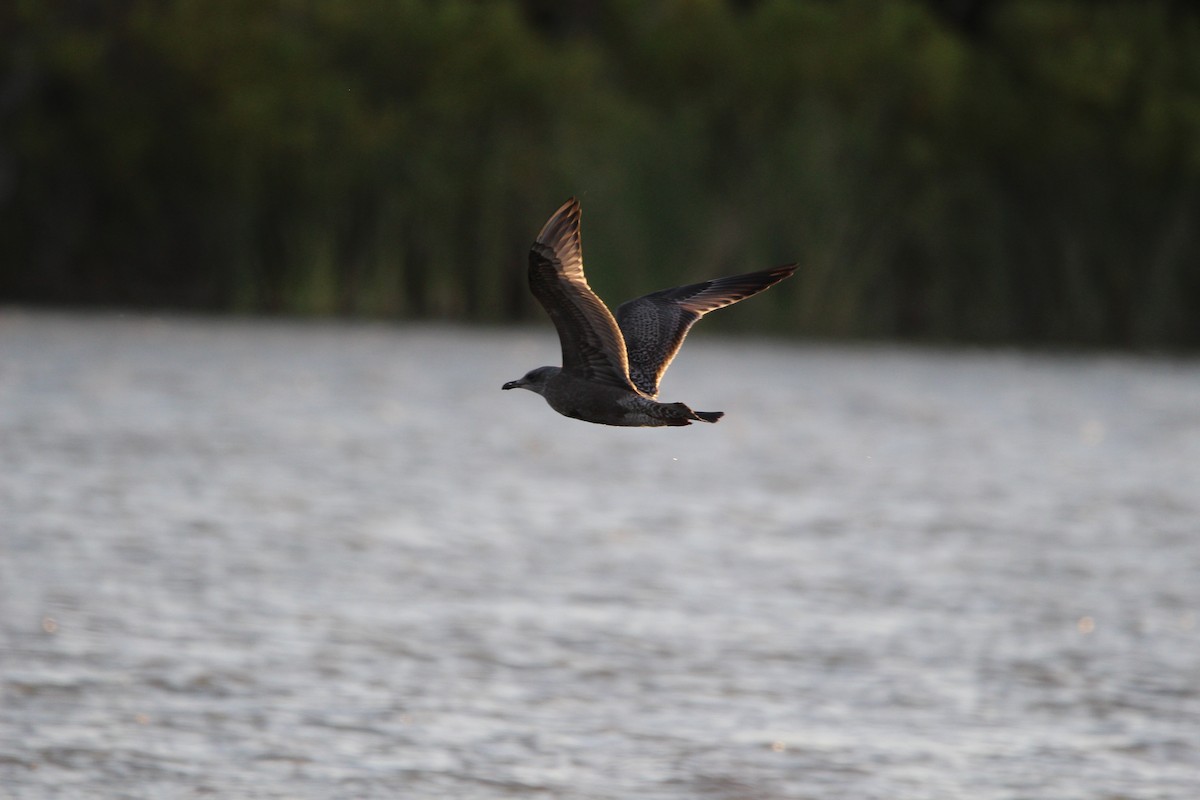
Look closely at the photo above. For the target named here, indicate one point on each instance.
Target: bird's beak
(513, 384)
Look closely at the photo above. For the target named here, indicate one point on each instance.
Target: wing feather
(592, 344)
(655, 326)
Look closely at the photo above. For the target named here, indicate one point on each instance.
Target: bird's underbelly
(601, 404)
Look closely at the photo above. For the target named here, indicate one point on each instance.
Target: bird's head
(534, 380)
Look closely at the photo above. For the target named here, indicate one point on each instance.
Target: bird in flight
(611, 366)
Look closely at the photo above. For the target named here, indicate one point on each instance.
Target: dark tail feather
(680, 414)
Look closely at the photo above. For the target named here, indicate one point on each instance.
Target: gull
(611, 366)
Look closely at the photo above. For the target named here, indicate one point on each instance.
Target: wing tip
(785, 270)
(775, 274)
(769, 277)
(561, 223)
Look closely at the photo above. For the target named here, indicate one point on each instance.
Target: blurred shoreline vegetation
(1028, 172)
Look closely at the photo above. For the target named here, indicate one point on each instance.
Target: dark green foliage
(1033, 176)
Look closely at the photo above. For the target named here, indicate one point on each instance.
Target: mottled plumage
(611, 367)
(654, 326)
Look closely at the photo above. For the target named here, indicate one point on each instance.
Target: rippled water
(265, 559)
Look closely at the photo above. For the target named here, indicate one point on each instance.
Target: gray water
(278, 560)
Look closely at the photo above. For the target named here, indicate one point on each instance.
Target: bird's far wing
(592, 346)
(654, 326)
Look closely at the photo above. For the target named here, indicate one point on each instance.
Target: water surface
(279, 560)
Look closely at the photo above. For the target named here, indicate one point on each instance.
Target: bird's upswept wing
(592, 345)
(654, 326)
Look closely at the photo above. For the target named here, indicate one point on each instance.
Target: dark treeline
(999, 171)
